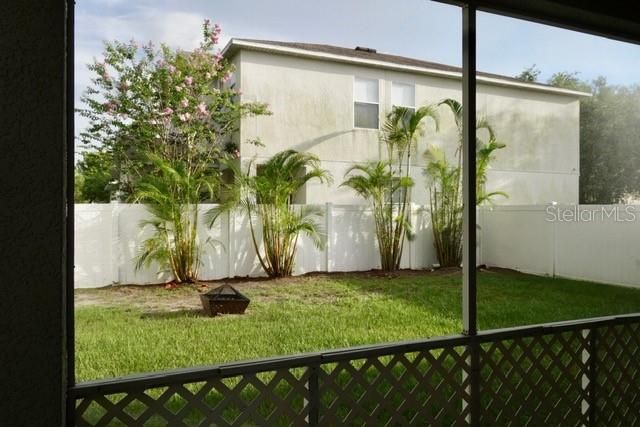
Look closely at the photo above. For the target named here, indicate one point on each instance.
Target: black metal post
(469, 293)
(469, 312)
(68, 303)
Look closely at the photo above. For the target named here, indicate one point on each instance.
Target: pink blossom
(217, 28)
(226, 78)
(201, 109)
(207, 22)
(171, 68)
(110, 107)
(101, 67)
(167, 111)
(188, 80)
(215, 38)
(133, 43)
(184, 117)
(184, 103)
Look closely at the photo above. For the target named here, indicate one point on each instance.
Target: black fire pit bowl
(224, 299)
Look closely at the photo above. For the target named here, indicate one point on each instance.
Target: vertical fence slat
(593, 376)
(329, 219)
(231, 226)
(474, 382)
(314, 395)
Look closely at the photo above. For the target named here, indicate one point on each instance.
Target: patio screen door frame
(611, 21)
(588, 18)
(469, 291)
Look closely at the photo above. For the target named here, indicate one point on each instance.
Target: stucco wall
(312, 105)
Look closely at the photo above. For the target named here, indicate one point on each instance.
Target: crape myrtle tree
(166, 118)
(444, 182)
(387, 184)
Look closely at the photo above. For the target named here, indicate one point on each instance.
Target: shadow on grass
(439, 291)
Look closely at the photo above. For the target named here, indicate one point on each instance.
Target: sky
(416, 28)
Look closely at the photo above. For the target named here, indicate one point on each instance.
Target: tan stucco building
(331, 101)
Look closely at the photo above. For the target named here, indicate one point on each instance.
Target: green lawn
(125, 330)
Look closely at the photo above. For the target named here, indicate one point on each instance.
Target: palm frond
(267, 197)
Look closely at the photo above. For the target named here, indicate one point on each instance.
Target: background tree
(94, 177)
(267, 198)
(387, 184)
(609, 139)
(530, 74)
(568, 80)
(163, 118)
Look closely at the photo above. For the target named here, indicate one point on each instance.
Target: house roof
(369, 57)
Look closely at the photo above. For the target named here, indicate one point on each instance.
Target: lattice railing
(616, 370)
(535, 380)
(403, 388)
(583, 373)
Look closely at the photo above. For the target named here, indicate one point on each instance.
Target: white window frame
(377, 81)
(413, 107)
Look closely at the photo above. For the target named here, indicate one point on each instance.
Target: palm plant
(374, 181)
(445, 187)
(484, 156)
(172, 197)
(268, 197)
(387, 183)
(445, 202)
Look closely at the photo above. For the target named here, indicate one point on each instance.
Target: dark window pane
(366, 115)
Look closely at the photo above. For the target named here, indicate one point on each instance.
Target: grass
(121, 331)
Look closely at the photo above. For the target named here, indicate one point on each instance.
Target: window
(403, 95)
(365, 106)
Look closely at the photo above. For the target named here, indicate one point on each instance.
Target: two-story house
(332, 101)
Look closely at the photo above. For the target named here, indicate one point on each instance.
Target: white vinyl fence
(600, 243)
(597, 243)
(108, 238)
